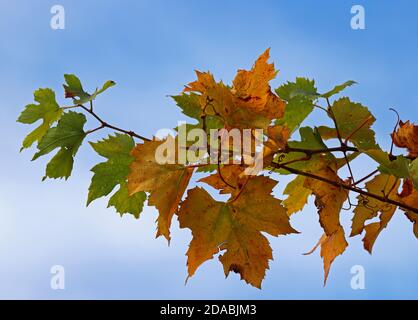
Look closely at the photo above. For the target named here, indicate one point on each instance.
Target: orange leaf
(407, 137)
(409, 196)
(369, 208)
(236, 228)
(166, 183)
(329, 200)
(249, 104)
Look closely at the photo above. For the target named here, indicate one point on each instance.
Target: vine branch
(344, 186)
(344, 148)
(104, 124)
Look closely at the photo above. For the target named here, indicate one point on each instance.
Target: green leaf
(300, 96)
(107, 175)
(208, 168)
(74, 89)
(124, 203)
(68, 134)
(354, 122)
(338, 89)
(190, 106)
(46, 110)
(297, 195)
(398, 167)
(61, 165)
(310, 140)
(413, 169)
(297, 110)
(108, 84)
(301, 87)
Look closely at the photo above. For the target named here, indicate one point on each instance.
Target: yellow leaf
(277, 140)
(252, 89)
(332, 247)
(409, 196)
(329, 200)
(231, 174)
(249, 104)
(297, 195)
(166, 183)
(369, 208)
(234, 227)
(407, 137)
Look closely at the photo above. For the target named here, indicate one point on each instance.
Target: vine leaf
(413, 170)
(252, 90)
(107, 175)
(297, 195)
(409, 196)
(123, 202)
(68, 136)
(74, 89)
(278, 136)
(166, 183)
(232, 174)
(399, 167)
(300, 96)
(190, 106)
(354, 122)
(329, 200)
(310, 140)
(369, 208)
(46, 110)
(235, 228)
(407, 137)
(337, 89)
(250, 103)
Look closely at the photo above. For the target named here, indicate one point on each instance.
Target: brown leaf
(231, 174)
(407, 137)
(166, 183)
(252, 89)
(369, 208)
(236, 228)
(329, 200)
(409, 196)
(249, 104)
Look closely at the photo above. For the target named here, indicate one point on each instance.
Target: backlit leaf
(337, 89)
(166, 183)
(235, 229)
(46, 110)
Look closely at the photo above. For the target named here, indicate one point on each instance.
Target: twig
(393, 133)
(345, 186)
(365, 178)
(219, 165)
(106, 125)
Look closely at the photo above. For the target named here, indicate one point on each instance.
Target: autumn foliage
(236, 229)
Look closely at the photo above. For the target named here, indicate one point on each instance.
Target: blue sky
(151, 49)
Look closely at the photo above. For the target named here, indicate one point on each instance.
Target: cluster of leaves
(236, 229)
